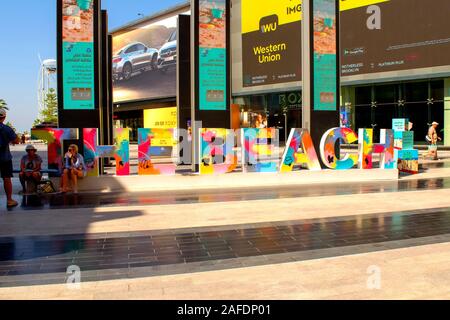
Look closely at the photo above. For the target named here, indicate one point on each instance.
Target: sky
(28, 30)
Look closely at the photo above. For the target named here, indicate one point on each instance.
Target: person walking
(74, 169)
(432, 139)
(30, 167)
(7, 137)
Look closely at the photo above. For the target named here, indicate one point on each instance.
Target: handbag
(46, 187)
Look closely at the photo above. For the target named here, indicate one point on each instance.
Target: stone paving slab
(408, 273)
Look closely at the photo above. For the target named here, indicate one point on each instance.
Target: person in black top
(7, 137)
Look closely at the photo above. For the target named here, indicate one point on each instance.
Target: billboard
(376, 36)
(271, 41)
(161, 118)
(394, 35)
(324, 47)
(78, 54)
(144, 61)
(212, 53)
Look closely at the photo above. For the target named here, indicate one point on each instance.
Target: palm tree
(3, 104)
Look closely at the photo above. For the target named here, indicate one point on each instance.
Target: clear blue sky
(28, 28)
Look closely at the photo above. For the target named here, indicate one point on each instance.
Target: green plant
(3, 104)
(50, 111)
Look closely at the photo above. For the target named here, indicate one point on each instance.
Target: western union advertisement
(271, 41)
(376, 36)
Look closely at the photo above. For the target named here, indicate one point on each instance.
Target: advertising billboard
(212, 64)
(271, 41)
(161, 118)
(376, 36)
(144, 61)
(324, 46)
(394, 35)
(78, 54)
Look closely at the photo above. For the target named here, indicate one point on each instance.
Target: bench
(32, 187)
(53, 172)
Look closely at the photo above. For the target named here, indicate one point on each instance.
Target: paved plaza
(349, 240)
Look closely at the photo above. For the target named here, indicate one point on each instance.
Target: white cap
(30, 147)
(435, 123)
(2, 113)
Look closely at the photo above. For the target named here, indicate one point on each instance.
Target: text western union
(269, 53)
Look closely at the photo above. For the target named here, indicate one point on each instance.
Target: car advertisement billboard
(212, 51)
(78, 54)
(324, 46)
(394, 35)
(271, 41)
(144, 61)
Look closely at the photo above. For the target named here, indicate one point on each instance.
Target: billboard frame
(60, 62)
(208, 118)
(78, 118)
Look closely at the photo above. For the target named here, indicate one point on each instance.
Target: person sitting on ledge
(74, 169)
(30, 168)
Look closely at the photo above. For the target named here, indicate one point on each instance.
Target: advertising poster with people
(325, 59)
(144, 61)
(212, 55)
(381, 36)
(271, 41)
(78, 54)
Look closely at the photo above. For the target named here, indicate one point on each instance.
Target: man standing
(432, 139)
(7, 136)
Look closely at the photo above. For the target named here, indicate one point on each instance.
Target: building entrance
(421, 102)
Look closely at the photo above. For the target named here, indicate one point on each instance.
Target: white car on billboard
(133, 58)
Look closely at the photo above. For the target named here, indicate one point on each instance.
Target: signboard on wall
(78, 53)
(376, 36)
(324, 62)
(271, 41)
(394, 35)
(145, 59)
(212, 55)
(161, 118)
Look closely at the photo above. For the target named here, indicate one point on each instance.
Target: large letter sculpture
(406, 157)
(299, 139)
(54, 138)
(120, 151)
(257, 148)
(328, 148)
(385, 148)
(216, 151)
(153, 142)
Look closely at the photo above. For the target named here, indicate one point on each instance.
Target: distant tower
(46, 81)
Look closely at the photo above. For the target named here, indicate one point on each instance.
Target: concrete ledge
(231, 180)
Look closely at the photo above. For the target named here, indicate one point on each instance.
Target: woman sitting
(74, 169)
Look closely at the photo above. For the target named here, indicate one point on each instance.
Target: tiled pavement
(45, 259)
(93, 200)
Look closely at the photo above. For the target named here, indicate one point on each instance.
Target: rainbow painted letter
(257, 145)
(299, 139)
(216, 151)
(152, 142)
(54, 138)
(328, 144)
(120, 151)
